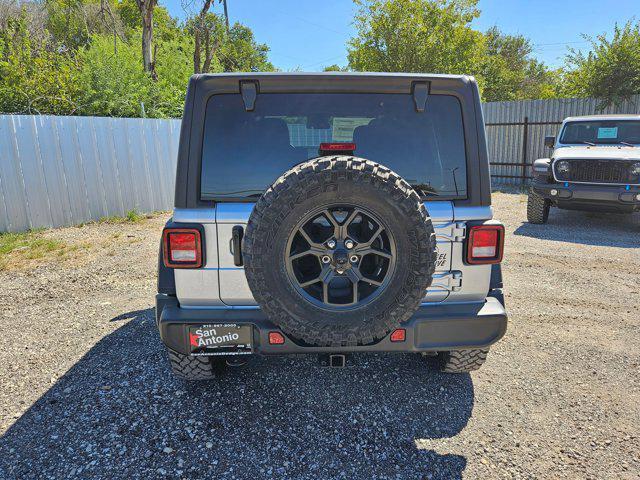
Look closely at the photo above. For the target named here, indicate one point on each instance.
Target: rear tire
(462, 361)
(191, 368)
(537, 208)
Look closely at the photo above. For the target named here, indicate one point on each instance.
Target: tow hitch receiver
(337, 360)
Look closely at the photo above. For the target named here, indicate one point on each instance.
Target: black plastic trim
(420, 95)
(237, 232)
(590, 197)
(496, 277)
(436, 327)
(249, 91)
(166, 277)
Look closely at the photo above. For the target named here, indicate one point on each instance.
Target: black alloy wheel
(340, 257)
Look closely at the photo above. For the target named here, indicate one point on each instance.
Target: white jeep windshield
(245, 152)
(602, 132)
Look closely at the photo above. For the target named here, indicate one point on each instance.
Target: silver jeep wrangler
(330, 214)
(594, 166)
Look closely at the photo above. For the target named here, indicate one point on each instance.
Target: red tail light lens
(485, 244)
(182, 248)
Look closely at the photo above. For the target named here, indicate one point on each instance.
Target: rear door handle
(237, 232)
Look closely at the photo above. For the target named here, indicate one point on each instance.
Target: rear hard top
(240, 132)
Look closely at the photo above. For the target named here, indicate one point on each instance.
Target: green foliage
(27, 245)
(165, 27)
(416, 36)
(509, 73)
(174, 66)
(132, 216)
(611, 70)
(32, 78)
(112, 82)
(240, 52)
(335, 68)
(84, 57)
(436, 36)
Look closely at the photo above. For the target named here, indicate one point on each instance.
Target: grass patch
(28, 245)
(132, 216)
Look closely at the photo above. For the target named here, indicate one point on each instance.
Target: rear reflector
(336, 146)
(485, 244)
(398, 335)
(182, 248)
(276, 338)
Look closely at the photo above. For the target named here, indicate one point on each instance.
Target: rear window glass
(245, 152)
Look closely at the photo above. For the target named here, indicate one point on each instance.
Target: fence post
(525, 141)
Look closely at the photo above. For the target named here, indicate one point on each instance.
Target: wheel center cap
(341, 258)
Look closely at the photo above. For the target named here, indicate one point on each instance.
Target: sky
(310, 34)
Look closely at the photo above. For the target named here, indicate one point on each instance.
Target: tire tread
(190, 367)
(302, 182)
(537, 208)
(462, 361)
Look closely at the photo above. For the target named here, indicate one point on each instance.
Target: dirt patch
(85, 390)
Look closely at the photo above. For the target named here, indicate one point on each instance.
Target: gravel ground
(85, 389)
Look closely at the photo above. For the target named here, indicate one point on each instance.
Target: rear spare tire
(339, 251)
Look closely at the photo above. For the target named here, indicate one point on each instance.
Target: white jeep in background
(594, 166)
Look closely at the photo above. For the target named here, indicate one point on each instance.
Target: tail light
(485, 244)
(398, 335)
(182, 247)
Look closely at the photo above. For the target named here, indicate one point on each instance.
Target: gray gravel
(85, 390)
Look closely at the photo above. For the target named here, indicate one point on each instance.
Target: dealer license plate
(221, 339)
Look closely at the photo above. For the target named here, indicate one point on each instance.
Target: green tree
(112, 83)
(610, 71)
(335, 68)
(240, 52)
(174, 66)
(509, 72)
(34, 79)
(165, 27)
(416, 36)
(71, 23)
(83, 57)
(209, 32)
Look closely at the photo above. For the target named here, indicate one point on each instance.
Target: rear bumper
(590, 197)
(432, 328)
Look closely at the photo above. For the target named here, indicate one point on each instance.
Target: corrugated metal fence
(58, 171)
(516, 131)
(68, 170)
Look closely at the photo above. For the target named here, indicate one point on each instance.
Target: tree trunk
(146, 12)
(226, 14)
(209, 51)
(196, 51)
(198, 33)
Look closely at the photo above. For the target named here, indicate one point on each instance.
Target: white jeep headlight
(563, 166)
(635, 169)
